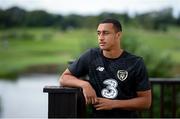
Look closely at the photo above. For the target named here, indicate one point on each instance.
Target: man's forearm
(138, 103)
(71, 81)
(142, 101)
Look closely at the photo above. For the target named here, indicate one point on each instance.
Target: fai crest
(122, 75)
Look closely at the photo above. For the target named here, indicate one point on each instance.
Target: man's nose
(101, 37)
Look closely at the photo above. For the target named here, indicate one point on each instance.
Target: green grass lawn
(34, 46)
(47, 46)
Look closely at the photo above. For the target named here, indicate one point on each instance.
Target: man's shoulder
(94, 51)
(132, 57)
(91, 54)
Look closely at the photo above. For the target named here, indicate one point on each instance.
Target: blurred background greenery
(32, 39)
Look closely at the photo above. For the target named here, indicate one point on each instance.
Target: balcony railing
(168, 88)
(69, 102)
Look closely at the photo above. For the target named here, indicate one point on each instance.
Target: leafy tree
(156, 20)
(12, 17)
(178, 20)
(2, 18)
(39, 18)
(124, 18)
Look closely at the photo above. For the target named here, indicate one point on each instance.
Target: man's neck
(113, 53)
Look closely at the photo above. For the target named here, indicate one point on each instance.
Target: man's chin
(103, 48)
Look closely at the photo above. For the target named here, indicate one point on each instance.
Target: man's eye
(103, 33)
(106, 33)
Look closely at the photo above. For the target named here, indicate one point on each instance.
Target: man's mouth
(102, 43)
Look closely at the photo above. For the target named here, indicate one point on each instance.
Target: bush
(158, 65)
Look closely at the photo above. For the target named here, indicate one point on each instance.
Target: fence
(69, 102)
(173, 93)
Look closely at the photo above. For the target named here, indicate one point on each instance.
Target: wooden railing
(69, 102)
(64, 102)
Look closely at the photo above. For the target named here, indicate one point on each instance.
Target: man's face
(107, 36)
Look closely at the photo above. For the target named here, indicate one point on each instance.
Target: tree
(156, 20)
(13, 17)
(39, 18)
(178, 20)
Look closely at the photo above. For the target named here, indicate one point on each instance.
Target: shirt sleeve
(80, 66)
(142, 79)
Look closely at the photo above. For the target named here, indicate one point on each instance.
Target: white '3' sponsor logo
(110, 91)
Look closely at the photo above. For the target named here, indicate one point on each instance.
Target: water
(24, 98)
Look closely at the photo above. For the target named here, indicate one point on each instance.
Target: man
(118, 83)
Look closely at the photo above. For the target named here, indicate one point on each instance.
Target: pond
(24, 98)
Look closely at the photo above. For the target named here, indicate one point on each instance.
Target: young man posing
(118, 82)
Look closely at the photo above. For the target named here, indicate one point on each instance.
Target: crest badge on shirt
(122, 75)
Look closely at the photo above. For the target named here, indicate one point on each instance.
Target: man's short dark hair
(116, 24)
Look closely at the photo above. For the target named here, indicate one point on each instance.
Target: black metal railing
(69, 102)
(169, 88)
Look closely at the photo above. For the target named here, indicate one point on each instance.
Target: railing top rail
(60, 89)
(165, 80)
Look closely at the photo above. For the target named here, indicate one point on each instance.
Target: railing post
(162, 100)
(174, 101)
(65, 102)
(151, 109)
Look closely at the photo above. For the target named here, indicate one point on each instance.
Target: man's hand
(89, 93)
(104, 104)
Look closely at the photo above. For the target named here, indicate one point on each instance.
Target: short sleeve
(142, 79)
(80, 66)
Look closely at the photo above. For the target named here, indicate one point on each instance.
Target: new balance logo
(99, 68)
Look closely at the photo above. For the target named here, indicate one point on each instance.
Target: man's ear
(119, 35)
